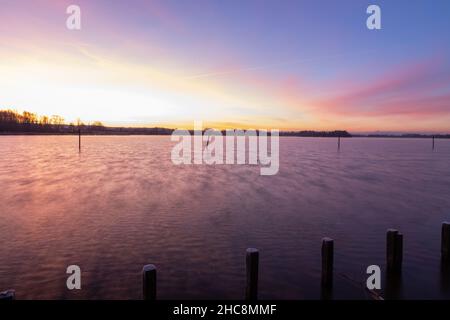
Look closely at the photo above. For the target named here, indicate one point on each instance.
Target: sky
(262, 64)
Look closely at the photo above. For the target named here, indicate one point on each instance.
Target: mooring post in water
(149, 282)
(339, 143)
(445, 242)
(394, 251)
(79, 138)
(8, 295)
(327, 262)
(252, 262)
(432, 142)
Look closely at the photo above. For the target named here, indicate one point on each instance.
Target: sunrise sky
(249, 63)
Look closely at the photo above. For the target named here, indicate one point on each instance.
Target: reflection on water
(121, 204)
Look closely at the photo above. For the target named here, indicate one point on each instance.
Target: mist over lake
(121, 203)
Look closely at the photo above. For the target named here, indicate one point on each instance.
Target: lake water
(121, 204)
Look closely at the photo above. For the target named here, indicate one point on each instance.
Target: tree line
(13, 121)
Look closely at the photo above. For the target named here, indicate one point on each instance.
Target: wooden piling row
(394, 257)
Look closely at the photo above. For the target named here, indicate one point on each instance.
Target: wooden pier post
(8, 295)
(445, 242)
(252, 263)
(339, 143)
(79, 139)
(327, 262)
(394, 251)
(433, 143)
(399, 253)
(149, 282)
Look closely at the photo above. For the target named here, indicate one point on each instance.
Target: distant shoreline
(27, 123)
(301, 134)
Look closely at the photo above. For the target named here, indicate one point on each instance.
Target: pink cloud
(425, 106)
(421, 88)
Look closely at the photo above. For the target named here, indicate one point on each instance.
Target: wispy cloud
(419, 88)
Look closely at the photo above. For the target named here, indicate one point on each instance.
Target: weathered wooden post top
(252, 263)
(149, 282)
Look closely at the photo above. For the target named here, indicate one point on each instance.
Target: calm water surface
(121, 204)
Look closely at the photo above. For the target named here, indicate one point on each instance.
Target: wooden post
(79, 138)
(433, 142)
(252, 263)
(445, 241)
(149, 282)
(8, 295)
(390, 248)
(327, 262)
(339, 143)
(394, 251)
(398, 253)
